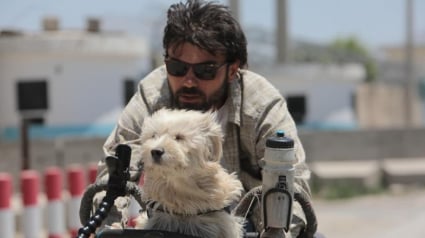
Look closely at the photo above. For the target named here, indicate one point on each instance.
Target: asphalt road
(398, 214)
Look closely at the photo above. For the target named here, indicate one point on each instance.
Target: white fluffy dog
(186, 186)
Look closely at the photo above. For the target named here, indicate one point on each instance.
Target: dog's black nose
(157, 153)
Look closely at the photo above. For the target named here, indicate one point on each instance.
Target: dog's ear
(215, 136)
(216, 148)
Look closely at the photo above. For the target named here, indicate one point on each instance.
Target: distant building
(392, 67)
(392, 70)
(67, 82)
(323, 96)
(319, 96)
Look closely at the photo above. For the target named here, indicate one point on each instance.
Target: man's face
(200, 90)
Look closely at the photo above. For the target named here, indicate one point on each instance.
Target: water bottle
(278, 181)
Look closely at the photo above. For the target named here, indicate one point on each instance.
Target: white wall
(79, 90)
(82, 87)
(327, 101)
(328, 91)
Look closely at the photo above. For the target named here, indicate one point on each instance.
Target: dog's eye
(179, 137)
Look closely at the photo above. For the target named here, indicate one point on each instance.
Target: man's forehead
(178, 50)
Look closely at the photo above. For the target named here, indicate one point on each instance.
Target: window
(32, 95)
(297, 107)
(129, 89)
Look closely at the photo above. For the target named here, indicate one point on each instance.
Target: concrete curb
(370, 173)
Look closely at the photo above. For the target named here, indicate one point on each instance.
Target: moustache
(191, 91)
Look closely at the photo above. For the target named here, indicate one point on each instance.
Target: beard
(214, 101)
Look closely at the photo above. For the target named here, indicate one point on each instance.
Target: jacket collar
(236, 95)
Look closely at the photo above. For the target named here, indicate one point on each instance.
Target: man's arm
(127, 131)
(267, 113)
(279, 118)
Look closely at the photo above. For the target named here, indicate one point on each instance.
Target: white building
(320, 96)
(81, 78)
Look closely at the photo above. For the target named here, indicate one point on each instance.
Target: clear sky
(375, 22)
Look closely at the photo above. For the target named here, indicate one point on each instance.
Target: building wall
(85, 87)
(385, 106)
(329, 92)
(328, 102)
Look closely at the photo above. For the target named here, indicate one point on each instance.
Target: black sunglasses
(203, 71)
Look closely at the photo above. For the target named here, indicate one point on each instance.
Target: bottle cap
(280, 141)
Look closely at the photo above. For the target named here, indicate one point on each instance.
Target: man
(205, 55)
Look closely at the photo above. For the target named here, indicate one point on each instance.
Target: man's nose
(190, 79)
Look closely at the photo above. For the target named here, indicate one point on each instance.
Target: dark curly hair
(208, 25)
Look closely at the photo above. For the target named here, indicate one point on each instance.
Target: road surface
(396, 214)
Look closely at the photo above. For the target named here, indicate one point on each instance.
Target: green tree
(350, 49)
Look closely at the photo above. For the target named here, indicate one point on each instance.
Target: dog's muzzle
(157, 154)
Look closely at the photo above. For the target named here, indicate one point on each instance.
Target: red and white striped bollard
(55, 208)
(7, 219)
(76, 184)
(31, 216)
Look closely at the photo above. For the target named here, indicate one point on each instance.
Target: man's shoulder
(257, 82)
(155, 78)
(154, 88)
(258, 89)
(258, 94)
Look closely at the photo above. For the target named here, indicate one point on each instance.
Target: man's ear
(233, 70)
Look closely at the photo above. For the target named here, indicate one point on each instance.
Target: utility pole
(410, 93)
(234, 7)
(25, 150)
(281, 31)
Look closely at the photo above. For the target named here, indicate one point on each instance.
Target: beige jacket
(257, 110)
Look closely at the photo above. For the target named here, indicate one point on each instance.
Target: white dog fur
(181, 152)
